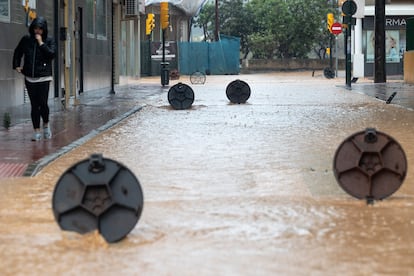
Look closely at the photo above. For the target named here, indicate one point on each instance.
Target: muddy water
(229, 190)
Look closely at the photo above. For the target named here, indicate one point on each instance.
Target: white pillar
(358, 58)
(358, 68)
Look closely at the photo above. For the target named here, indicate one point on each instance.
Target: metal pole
(217, 26)
(112, 91)
(348, 51)
(330, 53)
(67, 55)
(379, 65)
(57, 37)
(163, 46)
(149, 56)
(73, 50)
(336, 56)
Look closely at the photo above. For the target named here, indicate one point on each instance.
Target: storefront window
(392, 46)
(5, 10)
(395, 39)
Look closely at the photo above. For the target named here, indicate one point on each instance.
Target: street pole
(349, 8)
(112, 91)
(348, 51)
(163, 46)
(336, 56)
(379, 65)
(216, 32)
(164, 18)
(149, 56)
(73, 54)
(67, 55)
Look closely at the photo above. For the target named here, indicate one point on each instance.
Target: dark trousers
(39, 95)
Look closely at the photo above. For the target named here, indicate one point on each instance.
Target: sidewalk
(99, 110)
(95, 111)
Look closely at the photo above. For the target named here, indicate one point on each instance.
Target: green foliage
(235, 21)
(205, 21)
(271, 28)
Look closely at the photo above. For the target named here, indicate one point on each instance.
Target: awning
(392, 10)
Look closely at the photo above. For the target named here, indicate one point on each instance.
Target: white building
(397, 12)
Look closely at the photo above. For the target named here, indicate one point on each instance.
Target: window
(96, 18)
(5, 10)
(101, 18)
(90, 22)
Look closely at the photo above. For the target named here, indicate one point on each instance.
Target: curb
(35, 167)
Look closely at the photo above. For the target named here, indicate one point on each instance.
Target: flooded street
(229, 189)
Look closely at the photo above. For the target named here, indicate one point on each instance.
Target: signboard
(336, 28)
(170, 50)
(391, 22)
(30, 3)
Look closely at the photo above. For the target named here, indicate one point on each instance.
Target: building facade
(85, 61)
(397, 13)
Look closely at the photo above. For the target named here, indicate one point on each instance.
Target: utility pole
(349, 8)
(67, 53)
(112, 90)
(379, 65)
(216, 31)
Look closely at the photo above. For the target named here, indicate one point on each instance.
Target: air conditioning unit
(131, 8)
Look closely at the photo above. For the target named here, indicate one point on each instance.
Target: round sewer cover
(370, 165)
(98, 193)
(181, 96)
(238, 91)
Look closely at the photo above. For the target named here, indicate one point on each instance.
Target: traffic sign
(336, 28)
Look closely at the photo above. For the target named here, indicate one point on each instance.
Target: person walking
(38, 50)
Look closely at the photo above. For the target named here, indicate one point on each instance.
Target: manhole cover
(181, 96)
(98, 193)
(370, 165)
(198, 78)
(238, 91)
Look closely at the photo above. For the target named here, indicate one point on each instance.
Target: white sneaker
(47, 134)
(36, 136)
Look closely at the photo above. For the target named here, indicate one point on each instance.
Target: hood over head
(41, 23)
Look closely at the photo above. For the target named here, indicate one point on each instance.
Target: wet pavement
(92, 113)
(230, 189)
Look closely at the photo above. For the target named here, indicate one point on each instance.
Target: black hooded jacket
(37, 59)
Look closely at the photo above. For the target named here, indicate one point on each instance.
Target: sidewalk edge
(34, 168)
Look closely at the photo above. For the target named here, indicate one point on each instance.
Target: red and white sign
(336, 28)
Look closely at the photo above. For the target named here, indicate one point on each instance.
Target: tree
(232, 19)
(293, 26)
(270, 28)
(204, 21)
(235, 21)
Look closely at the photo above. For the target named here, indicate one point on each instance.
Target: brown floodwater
(228, 190)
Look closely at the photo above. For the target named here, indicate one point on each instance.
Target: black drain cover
(181, 96)
(238, 91)
(98, 193)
